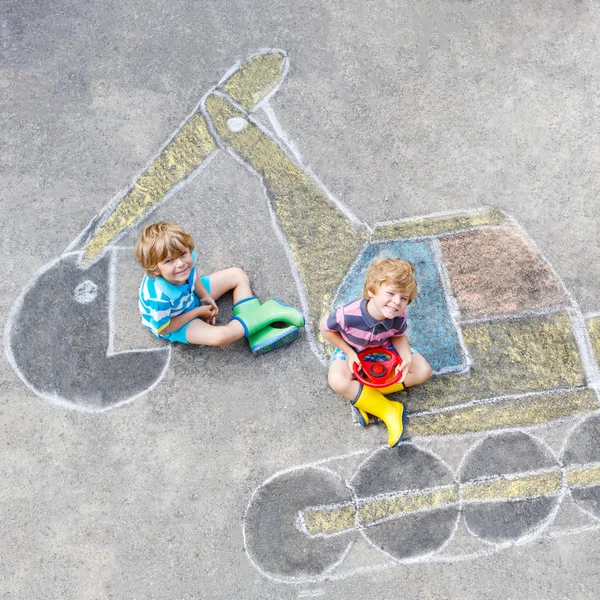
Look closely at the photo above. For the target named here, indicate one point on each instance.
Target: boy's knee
(338, 382)
(239, 275)
(425, 371)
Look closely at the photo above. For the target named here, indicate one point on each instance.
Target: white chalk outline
(439, 214)
(100, 218)
(572, 433)
(536, 312)
(539, 530)
(494, 400)
(453, 311)
(318, 465)
(580, 332)
(59, 400)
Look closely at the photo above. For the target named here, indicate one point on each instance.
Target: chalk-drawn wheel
(581, 460)
(275, 539)
(59, 334)
(510, 485)
(397, 511)
(376, 367)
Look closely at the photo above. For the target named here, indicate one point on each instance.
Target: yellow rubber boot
(363, 417)
(390, 389)
(391, 413)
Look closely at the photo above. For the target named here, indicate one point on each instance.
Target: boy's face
(387, 302)
(176, 269)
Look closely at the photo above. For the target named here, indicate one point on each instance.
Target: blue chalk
(430, 329)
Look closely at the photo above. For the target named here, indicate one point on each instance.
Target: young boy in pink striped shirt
(378, 320)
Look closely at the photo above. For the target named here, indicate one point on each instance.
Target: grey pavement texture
(402, 109)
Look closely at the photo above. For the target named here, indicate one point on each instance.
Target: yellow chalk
(382, 508)
(322, 240)
(593, 325)
(255, 79)
(510, 487)
(341, 518)
(190, 147)
(509, 357)
(585, 476)
(511, 412)
(437, 225)
(329, 520)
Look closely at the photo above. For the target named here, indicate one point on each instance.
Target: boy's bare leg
(234, 279)
(201, 333)
(420, 371)
(342, 381)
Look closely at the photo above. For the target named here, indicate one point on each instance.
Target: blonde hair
(398, 273)
(160, 241)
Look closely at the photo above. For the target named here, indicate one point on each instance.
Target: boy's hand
(208, 301)
(208, 311)
(405, 367)
(352, 358)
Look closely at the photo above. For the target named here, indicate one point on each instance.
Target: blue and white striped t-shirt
(160, 300)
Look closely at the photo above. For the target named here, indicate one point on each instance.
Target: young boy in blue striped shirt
(177, 305)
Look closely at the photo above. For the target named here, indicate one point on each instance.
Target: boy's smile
(176, 270)
(387, 302)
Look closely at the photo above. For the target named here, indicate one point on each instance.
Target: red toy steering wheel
(377, 366)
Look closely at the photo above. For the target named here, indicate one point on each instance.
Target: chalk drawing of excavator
(494, 343)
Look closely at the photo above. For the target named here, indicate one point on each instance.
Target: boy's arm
(208, 311)
(333, 337)
(157, 311)
(206, 299)
(400, 343)
(200, 290)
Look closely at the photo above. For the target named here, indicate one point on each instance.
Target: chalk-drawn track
(410, 514)
(502, 324)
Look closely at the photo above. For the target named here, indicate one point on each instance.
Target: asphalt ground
(470, 129)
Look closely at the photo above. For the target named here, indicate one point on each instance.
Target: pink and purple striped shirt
(361, 330)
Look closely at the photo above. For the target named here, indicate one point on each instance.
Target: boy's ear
(370, 293)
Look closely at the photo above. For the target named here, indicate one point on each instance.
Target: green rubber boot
(268, 338)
